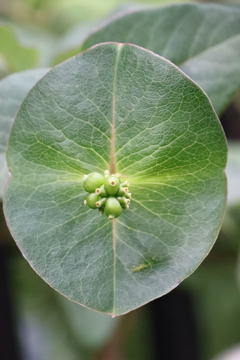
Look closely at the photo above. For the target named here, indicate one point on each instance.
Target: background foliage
(42, 316)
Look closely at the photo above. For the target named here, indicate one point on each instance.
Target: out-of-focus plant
(81, 115)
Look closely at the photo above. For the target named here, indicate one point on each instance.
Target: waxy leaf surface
(123, 108)
(13, 90)
(202, 39)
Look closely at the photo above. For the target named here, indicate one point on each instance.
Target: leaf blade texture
(122, 106)
(13, 90)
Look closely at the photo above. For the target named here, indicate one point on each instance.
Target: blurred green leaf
(217, 307)
(202, 39)
(45, 43)
(79, 11)
(62, 325)
(69, 44)
(233, 172)
(13, 90)
(92, 328)
(17, 56)
(4, 69)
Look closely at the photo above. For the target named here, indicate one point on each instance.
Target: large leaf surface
(13, 90)
(167, 142)
(202, 39)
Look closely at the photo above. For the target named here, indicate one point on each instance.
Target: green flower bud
(91, 200)
(101, 191)
(112, 208)
(101, 202)
(128, 195)
(112, 184)
(106, 193)
(123, 201)
(122, 191)
(124, 184)
(92, 181)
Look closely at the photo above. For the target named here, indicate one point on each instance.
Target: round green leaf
(13, 90)
(123, 108)
(202, 39)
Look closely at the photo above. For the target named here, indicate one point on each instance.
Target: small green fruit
(112, 208)
(128, 195)
(124, 184)
(123, 200)
(101, 202)
(91, 200)
(112, 184)
(122, 191)
(101, 191)
(92, 181)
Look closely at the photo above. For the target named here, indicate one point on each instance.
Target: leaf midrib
(112, 144)
(113, 168)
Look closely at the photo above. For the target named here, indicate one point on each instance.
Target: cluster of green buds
(106, 193)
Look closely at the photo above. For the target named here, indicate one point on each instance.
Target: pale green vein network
(140, 231)
(81, 147)
(82, 239)
(13, 89)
